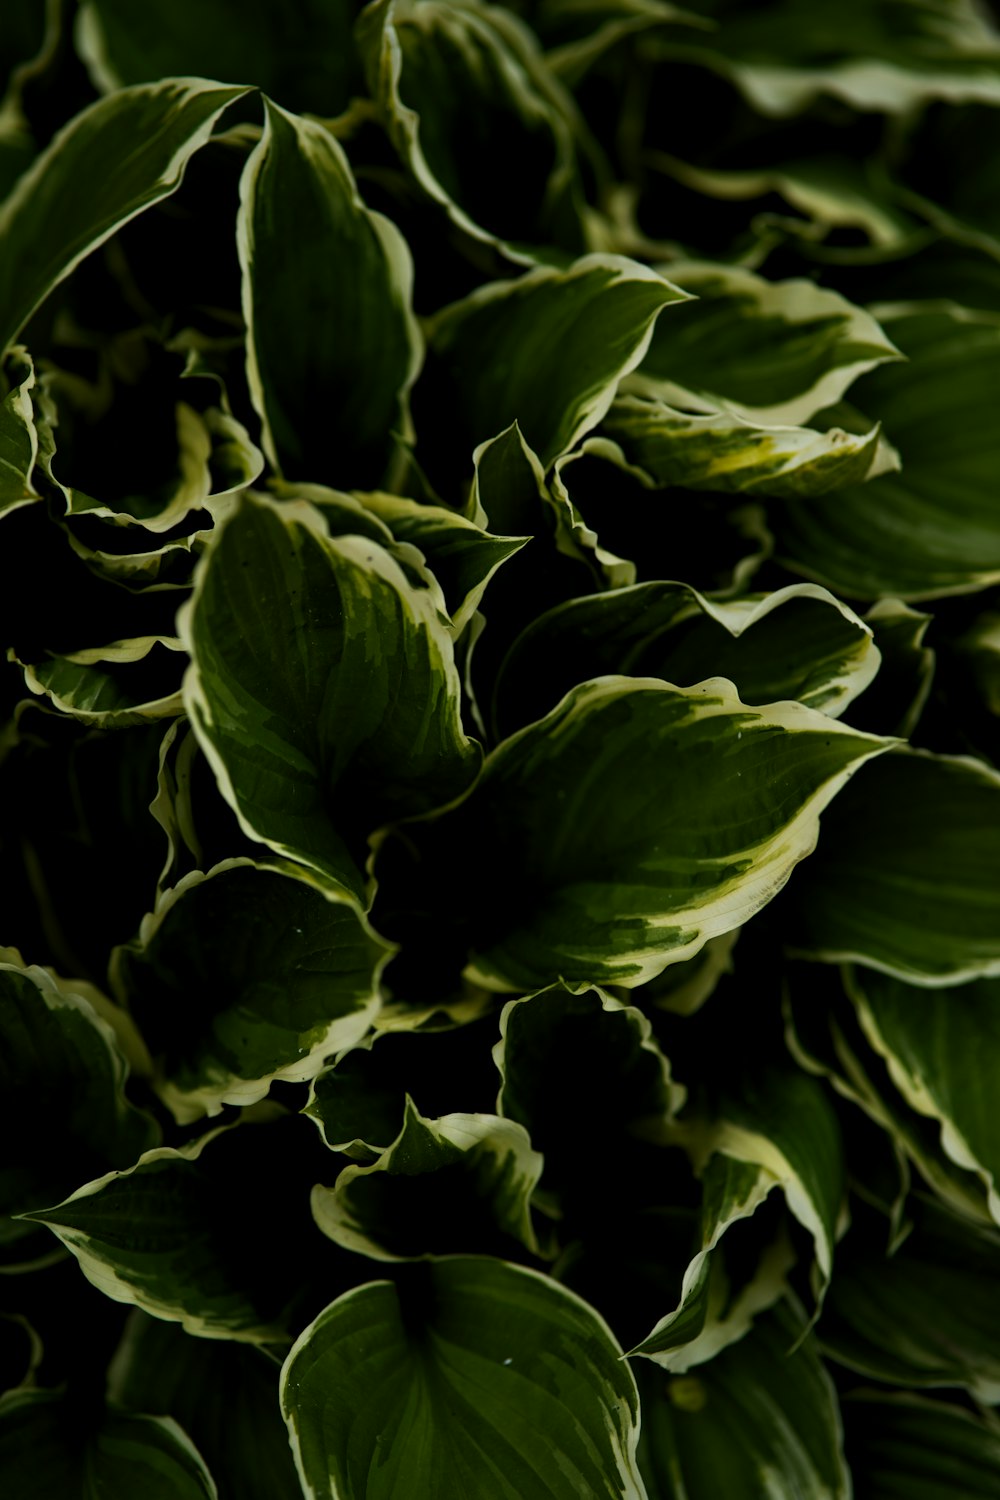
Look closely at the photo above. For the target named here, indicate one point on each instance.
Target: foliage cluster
(499, 750)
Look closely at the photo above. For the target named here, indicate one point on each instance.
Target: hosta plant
(500, 758)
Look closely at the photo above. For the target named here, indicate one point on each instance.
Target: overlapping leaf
(46, 1449)
(244, 976)
(332, 346)
(931, 529)
(457, 1184)
(798, 642)
(476, 1375)
(633, 823)
(761, 1420)
(559, 342)
(93, 178)
(345, 670)
(908, 877)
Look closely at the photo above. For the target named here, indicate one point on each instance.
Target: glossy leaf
(772, 352)
(908, 876)
(443, 1186)
(722, 451)
(616, 850)
(246, 976)
(933, 1041)
(931, 529)
(798, 642)
(92, 178)
(761, 1420)
(474, 1376)
(332, 345)
(455, 81)
(62, 1097)
(96, 686)
(559, 343)
(346, 670)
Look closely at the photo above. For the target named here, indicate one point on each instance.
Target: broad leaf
(934, 1042)
(909, 1448)
(559, 341)
(480, 122)
(797, 642)
(907, 878)
(92, 178)
(47, 1450)
(457, 1184)
(62, 1097)
(929, 1315)
(244, 976)
(723, 451)
(345, 670)
(222, 1393)
(578, 1066)
(894, 702)
(931, 529)
(114, 686)
(332, 345)
(215, 1235)
(305, 61)
(469, 1376)
(772, 352)
(760, 1421)
(739, 1268)
(633, 823)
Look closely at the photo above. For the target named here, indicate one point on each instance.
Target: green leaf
(934, 1042)
(97, 687)
(907, 878)
(470, 1377)
(305, 61)
(215, 1235)
(561, 1052)
(18, 437)
(728, 1281)
(772, 352)
(930, 530)
(478, 119)
(894, 702)
(760, 1421)
(93, 178)
(559, 342)
(244, 976)
(633, 823)
(798, 642)
(725, 452)
(456, 1184)
(43, 1453)
(332, 344)
(222, 1393)
(780, 1120)
(929, 1315)
(909, 1448)
(346, 673)
(888, 58)
(62, 1098)
(462, 555)
(832, 191)
(979, 648)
